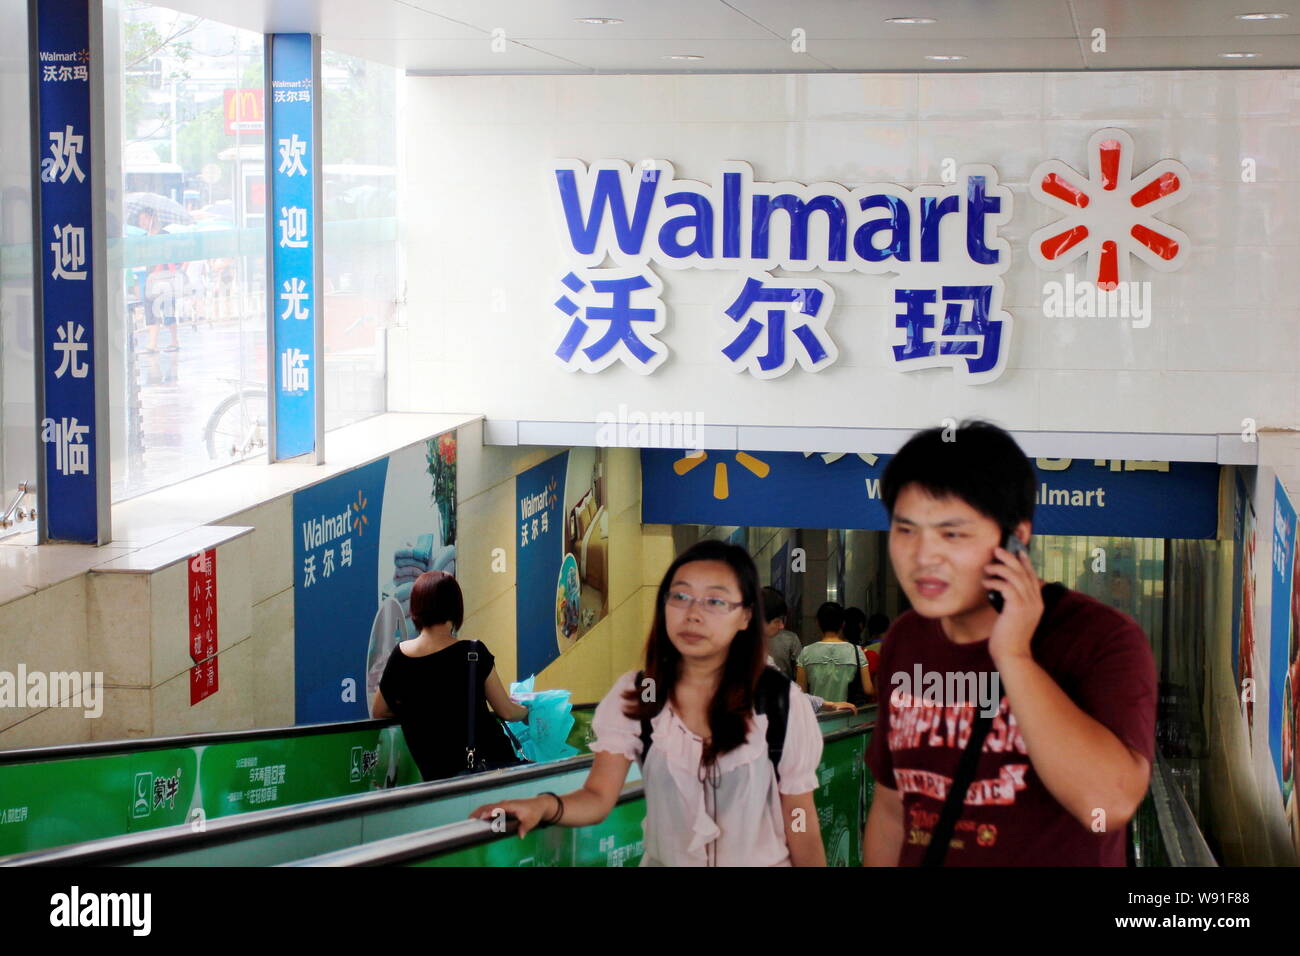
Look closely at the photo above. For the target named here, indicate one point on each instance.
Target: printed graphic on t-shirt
(1100, 659)
(918, 723)
(921, 824)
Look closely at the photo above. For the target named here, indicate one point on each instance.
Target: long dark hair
(746, 657)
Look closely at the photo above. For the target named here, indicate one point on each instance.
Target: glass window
(362, 165)
(187, 246)
(17, 357)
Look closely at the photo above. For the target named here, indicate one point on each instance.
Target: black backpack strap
(772, 697)
(471, 742)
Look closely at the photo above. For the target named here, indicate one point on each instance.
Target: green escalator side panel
(261, 774)
(617, 841)
(580, 737)
(842, 799)
(58, 802)
(68, 801)
(839, 801)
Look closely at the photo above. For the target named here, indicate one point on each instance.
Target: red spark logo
(1109, 214)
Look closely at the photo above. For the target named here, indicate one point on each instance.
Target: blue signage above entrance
(1137, 499)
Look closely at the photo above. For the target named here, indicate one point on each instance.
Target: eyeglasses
(713, 605)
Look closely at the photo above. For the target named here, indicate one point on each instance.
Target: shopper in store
(440, 688)
(783, 645)
(877, 626)
(827, 667)
(1063, 686)
(855, 625)
(720, 789)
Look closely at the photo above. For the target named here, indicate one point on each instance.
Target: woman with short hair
(432, 681)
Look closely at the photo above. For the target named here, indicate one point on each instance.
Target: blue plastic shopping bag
(543, 737)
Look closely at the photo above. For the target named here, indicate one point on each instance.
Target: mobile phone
(1010, 543)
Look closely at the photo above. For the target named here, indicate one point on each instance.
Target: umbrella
(164, 211)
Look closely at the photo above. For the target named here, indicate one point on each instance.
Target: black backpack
(771, 697)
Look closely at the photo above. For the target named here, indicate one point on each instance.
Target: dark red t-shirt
(1097, 655)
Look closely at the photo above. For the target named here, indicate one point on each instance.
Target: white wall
(1221, 347)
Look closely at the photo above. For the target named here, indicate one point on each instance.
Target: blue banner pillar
(295, 342)
(65, 40)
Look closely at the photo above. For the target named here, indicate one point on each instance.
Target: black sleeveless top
(428, 695)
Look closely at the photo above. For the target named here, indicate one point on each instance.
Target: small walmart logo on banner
(359, 522)
(721, 483)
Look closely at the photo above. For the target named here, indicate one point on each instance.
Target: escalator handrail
(104, 748)
(150, 843)
(1184, 843)
(422, 844)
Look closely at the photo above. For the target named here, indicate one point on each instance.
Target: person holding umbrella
(151, 212)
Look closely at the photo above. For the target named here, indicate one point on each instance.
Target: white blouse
(729, 817)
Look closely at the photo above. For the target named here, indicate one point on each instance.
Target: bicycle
(237, 427)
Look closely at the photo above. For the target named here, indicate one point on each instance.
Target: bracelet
(553, 819)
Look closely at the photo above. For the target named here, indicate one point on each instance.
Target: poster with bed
(562, 555)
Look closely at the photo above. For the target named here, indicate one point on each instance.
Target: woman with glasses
(713, 797)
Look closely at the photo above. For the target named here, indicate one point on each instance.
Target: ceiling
(782, 36)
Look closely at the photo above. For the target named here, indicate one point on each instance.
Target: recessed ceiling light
(1262, 16)
(910, 21)
(683, 56)
(1238, 56)
(597, 21)
(944, 56)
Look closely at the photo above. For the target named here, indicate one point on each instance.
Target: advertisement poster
(562, 555)
(202, 591)
(1240, 505)
(780, 561)
(1141, 499)
(1291, 712)
(1245, 661)
(360, 541)
(1283, 564)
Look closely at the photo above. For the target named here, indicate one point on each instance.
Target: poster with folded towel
(361, 539)
(561, 555)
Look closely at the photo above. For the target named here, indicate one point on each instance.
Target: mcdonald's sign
(244, 111)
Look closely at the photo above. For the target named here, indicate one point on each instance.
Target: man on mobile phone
(1051, 700)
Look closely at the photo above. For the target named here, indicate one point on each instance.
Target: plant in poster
(441, 456)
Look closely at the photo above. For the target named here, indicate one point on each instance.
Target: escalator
(320, 820)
